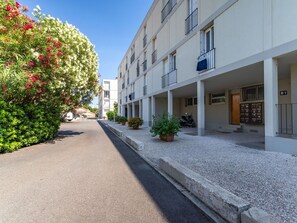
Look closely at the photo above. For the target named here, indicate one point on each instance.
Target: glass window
(106, 94)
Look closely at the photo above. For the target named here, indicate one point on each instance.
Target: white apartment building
(107, 97)
(226, 62)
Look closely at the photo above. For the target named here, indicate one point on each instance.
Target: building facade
(107, 97)
(226, 62)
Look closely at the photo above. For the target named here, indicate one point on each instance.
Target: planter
(123, 123)
(167, 138)
(135, 127)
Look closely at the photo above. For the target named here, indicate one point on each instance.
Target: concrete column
(294, 97)
(133, 109)
(270, 97)
(170, 102)
(122, 110)
(129, 110)
(153, 106)
(140, 109)
(201, 108)
(146, 111)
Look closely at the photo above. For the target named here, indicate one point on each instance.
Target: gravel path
(267, 180)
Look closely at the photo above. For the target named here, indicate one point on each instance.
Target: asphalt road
(87, 175)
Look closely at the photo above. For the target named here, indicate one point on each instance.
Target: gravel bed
(267, 180)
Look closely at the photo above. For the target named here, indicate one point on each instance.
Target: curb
(229, 206)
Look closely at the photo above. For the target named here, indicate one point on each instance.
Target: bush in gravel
(135, 122)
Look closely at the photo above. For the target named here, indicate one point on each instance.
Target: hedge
(22, 126)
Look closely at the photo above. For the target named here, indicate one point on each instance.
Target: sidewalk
(268, 180)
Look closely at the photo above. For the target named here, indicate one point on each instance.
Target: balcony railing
(192, 21)
(154, 56)
(144, 65)
(126, 66)
(128, 80)
(132, 58)
(144, 90)
(287, 119)
(132, 96)
(169, 79)
(167, 9)
(144, 40)
(206, 61)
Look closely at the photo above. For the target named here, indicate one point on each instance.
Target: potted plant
(166, 126)
(123, 120)
(135, 122)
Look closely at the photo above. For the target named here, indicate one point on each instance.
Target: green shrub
(165, 125)
(123, 119)
(26, 125)
(110, 115)
(135, 122)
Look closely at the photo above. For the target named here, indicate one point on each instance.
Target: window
(165, 66)
(173, 61)
(106, 85)
(217, 98)
(209, 39)
(106, 94)
(106, 104)
(154, 54)
(144, 79)
(253, 93)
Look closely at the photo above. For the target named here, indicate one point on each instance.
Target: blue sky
(110, 25)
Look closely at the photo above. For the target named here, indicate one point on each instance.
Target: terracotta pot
(167, 138)
(123, 123)
(135, 127)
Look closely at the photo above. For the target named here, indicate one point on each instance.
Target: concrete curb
(229, 206)
(137, 145)
(224, 203)
(115, 130)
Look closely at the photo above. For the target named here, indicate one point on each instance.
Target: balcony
(169, 79)
(132, 96)
(132, 58)
(154, 56)
(191, 21)
(167, 9)
(144, 65)
(206, 61)
(144, 90)
(128, 80)
(287, 119)
(137, 70)
(144, 40)
(123, 85)
(126, 66)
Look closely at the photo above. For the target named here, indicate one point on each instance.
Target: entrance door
(235, 109)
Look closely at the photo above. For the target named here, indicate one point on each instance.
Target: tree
(115, 108)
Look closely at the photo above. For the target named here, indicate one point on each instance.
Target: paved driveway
(84, 176)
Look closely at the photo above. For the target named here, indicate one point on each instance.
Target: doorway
(235, 109)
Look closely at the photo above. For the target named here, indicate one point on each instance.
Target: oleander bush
(135, 122)
(22, 126)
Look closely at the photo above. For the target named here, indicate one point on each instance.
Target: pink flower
(28, 86)
(59, 53)
(18, 5)
(48, 49)
(8, 64)
(8, 8)
(39, 91)
(28, 26)
(3, 87)
(41, 57)
(31, 64)
(25, 9)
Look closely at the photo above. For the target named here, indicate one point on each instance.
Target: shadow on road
(175, 206)
(62, 134)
